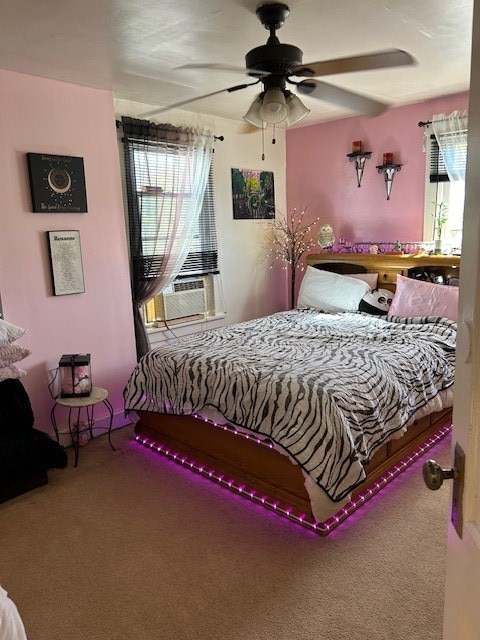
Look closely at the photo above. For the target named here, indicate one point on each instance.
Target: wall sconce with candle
(358, 157)
(388, 168)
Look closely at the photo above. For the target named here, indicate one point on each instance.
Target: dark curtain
(147, 272)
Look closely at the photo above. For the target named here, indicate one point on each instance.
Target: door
(462, 595)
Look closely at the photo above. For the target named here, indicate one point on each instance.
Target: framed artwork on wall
(57, 183)
(253, 194)
(66, 262)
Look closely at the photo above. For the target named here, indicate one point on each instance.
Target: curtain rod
(118, 124)
(429, 122)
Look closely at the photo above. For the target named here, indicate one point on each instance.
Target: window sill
(189, 323)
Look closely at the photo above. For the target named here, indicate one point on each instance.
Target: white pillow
(328, 291)
(9, 332)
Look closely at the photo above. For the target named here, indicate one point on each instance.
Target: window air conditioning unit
(187, 299)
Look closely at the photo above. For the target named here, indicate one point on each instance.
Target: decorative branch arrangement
(289, 241)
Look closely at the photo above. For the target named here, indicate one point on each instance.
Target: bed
(308, 412)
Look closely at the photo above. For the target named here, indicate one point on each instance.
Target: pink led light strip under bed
(321, 528)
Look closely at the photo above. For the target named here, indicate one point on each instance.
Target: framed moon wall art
(57, 183)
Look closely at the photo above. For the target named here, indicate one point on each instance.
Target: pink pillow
(11, 371)
(419, 298)
(11, 353)
(370, 278)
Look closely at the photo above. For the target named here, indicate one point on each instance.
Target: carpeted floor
(129, 546)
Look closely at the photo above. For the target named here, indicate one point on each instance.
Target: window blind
(438, 171)
(152, 170)
(203, 255)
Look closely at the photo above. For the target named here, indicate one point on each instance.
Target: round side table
(97, 396)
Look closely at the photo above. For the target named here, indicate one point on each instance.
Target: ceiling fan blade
(217, 66)
(154, 112)
(341, 97)
(368, 61)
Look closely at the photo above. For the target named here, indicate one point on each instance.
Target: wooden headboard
(388, 266)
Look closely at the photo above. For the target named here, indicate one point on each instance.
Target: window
(443, 196)
(166, 174)
(156, 175)
(157, 172)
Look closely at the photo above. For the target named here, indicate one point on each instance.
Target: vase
(438, 247)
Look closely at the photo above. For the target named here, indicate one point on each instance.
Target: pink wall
(319, 173)
(45, 116)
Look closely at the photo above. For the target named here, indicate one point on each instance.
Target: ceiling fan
(275, 64)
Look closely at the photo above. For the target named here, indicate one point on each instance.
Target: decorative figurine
(326, 239)
(397, 247)
(373, 249)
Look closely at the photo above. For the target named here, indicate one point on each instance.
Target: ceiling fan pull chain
(263, 141)
(273, 133)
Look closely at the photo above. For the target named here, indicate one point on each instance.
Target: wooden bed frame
(262, 469)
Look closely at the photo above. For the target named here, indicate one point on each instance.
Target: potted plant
(440, 217)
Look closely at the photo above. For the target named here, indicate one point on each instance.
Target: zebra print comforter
(327, 389)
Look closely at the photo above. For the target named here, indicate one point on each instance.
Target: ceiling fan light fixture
(296, 109)
(274, 108)
(253, 114)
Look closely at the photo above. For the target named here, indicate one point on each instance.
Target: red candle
(357, 146)
(388, 158)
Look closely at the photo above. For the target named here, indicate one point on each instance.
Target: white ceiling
(134, 46)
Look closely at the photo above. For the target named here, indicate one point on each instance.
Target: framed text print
(57, 183)
(66, 262)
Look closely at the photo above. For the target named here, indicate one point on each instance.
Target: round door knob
(434, 475)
